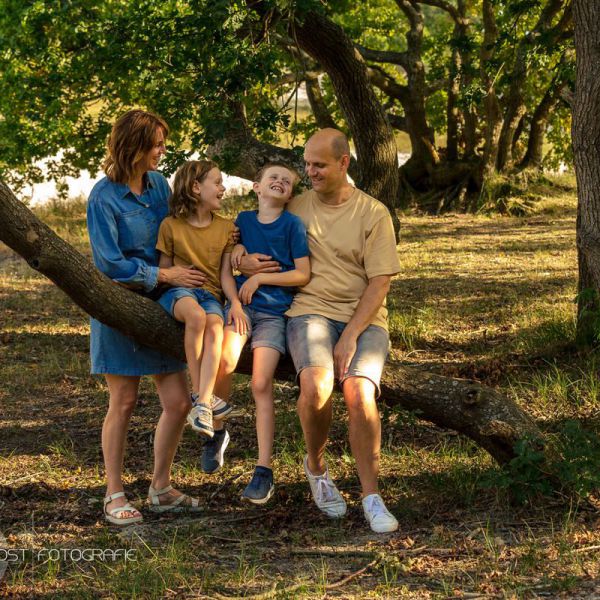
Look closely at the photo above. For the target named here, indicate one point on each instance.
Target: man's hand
(248, 288)
(188, 277)
(343, 353)
(254, 263)
(235, 235)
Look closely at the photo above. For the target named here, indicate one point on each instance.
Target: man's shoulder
(298, 201)
(370, 202)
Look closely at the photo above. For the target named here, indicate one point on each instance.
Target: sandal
(177, 505)
(112, 516)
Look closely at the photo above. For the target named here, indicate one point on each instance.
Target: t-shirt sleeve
(381, 256)
(298, 239)
(229, 245)
(164, 243)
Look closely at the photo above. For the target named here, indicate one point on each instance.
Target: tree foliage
(461, 78)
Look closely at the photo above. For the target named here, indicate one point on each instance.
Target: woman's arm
(236, 312)
(108, 256)
(297, 277)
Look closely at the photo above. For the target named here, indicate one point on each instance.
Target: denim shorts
(266, 330)
(204, 298)
(312, 338)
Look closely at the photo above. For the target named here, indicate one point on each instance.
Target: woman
(125, 209)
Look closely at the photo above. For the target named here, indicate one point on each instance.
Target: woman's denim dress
(123, 229)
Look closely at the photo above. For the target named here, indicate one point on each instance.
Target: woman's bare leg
(123, 390)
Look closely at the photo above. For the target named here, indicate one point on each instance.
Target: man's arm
(370, 302)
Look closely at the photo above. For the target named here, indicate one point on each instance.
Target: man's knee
(316, 386)
(359, 395)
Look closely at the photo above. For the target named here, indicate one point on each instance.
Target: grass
(481, 296)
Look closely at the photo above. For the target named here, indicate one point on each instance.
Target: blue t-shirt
(284, 240)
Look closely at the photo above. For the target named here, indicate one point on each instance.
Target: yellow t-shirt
(202, 247)
(349, 244)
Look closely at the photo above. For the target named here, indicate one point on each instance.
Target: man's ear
(344, 162)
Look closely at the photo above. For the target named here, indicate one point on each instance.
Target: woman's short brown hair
(132, 136)
(183, 201)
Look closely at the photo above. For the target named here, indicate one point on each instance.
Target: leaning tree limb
(493, 421)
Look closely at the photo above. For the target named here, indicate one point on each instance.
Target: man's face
(326, 172)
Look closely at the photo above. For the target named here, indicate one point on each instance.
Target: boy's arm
(236, 312)
(297, 277)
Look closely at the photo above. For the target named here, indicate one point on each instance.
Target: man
(338, 322)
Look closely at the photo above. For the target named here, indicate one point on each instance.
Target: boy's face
(277, 183)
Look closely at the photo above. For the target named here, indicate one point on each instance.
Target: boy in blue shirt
(266, 296)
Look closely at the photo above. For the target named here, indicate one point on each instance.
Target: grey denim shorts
(312, 338)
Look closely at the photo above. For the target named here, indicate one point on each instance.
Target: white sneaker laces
(376, 506)
(325, 489)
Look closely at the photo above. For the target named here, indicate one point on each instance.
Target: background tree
(473, 86)
(586, 149)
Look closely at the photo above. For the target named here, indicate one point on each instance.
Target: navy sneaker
(261, 487)
(213, 451)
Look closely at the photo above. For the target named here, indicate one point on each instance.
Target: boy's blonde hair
(260, 173)
(184, 201)
(132, 136)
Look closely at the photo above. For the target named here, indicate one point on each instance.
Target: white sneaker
(326, 496)
(379, 517)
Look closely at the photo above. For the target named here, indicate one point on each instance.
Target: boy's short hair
(260, 173)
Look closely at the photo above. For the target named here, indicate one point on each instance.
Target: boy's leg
(213, 451)
(188, 311)
(211, 355)
(233, 343)
(263, 369)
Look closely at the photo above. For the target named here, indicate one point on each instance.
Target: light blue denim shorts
(204, 298)
(266, 330)
(312, 338)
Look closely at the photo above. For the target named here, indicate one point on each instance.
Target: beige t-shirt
(202, 247)
(349, 244)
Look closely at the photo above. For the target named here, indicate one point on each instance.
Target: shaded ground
(483, 297)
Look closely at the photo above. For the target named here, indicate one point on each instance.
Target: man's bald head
(335, 139)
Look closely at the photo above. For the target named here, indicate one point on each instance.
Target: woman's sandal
(177, 505)
(112, 515)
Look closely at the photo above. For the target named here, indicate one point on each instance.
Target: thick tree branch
(384, 56)
(484, 415)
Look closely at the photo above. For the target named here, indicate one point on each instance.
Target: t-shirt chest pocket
(137, 229)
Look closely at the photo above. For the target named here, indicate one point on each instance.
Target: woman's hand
(248, 288)
(237, 316)
(188, 277)
(254, 263)
(236, 255)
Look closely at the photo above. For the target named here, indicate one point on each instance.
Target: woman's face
(211, 189)
(152, 157)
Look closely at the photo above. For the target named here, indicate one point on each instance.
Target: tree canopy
(474, 85)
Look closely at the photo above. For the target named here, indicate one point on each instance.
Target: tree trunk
(322, 115)
(490, 419)
(586, 150)
(493, 123)
(376, 152)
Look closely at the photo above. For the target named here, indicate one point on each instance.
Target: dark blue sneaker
(213, 451)
(261, 487)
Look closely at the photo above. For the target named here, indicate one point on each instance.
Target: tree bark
(586, 150)
(490, 419)
(376, 152)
